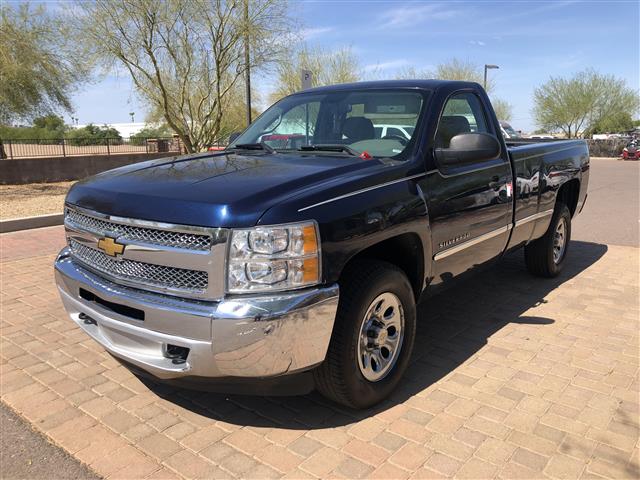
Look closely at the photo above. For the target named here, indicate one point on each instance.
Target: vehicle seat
(450, 126)
(358, 128)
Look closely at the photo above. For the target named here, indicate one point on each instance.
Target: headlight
(273, 258)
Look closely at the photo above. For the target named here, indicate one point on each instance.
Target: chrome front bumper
(248, 337)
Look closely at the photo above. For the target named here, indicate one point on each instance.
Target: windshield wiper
(330, 147)
(255, 146)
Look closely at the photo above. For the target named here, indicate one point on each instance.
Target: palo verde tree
(578, 104)
(40, 64)
(186, 58)
(327, 67)
(503, 109)
(463, 70)
(454, 69)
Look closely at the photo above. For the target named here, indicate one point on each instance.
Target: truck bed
(540, 169)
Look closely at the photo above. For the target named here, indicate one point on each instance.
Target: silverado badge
(110, 246)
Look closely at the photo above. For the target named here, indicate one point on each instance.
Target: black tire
(539, 254)
(339, 377)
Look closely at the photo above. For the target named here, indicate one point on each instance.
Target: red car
(286, 141)
(631, 151)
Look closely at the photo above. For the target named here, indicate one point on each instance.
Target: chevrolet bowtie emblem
(110, 246)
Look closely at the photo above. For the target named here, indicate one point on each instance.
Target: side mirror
(233, 136)
(468, 148)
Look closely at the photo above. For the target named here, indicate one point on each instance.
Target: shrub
(606, 148)
(162, 131)
(45, 130)
(93, 135)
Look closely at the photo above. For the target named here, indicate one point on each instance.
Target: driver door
(470, 206)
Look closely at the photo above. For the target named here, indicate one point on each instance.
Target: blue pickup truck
(295, 258)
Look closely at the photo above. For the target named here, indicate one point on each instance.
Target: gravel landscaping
(32, 199)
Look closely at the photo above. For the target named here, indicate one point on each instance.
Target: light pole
(488, 67)
(247, 63)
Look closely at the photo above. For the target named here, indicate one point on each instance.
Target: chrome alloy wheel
(381, 335)
(559, 241)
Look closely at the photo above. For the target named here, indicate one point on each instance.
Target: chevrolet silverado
(277, 267)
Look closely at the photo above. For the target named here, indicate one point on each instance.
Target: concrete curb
(26, 223)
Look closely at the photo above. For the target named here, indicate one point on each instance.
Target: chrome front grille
(140, 272)
(181, 260)
(152, 236)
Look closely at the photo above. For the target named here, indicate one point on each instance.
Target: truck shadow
(452, 327)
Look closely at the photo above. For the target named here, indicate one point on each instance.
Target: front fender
(351, 223)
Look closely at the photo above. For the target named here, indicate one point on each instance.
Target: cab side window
(463, 113)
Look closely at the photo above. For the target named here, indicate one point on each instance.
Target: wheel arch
(568, 194)
(405, 251)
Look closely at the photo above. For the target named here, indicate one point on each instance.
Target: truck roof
(422, 84)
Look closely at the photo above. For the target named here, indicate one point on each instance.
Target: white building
(125, 129)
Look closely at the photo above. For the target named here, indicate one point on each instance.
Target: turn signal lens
(310, 270)
(310, 240)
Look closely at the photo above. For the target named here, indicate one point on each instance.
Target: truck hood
(213, 190)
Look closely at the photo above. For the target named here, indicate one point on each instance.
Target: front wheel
(545, 256)
(372, 338)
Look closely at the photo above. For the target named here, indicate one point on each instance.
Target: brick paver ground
(513, 377)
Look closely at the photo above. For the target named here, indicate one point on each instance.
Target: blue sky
(530, 41)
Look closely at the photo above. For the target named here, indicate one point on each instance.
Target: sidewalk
(512, 377)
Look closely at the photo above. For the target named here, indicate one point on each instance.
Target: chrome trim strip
(174, 227)
(531, 218)
(474, 241)
(211, 260)
(362, 190)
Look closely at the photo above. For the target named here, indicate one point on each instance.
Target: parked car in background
(269, 270)
(286, 140)
(388, 131)
(508, 132)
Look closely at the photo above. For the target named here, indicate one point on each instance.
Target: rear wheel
(545, 256)
(372, 338)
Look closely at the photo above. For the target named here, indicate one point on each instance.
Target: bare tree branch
(186, 58)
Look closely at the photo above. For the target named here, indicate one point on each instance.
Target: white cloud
(480, 43)
(378, 67)
(308, 33)
(413, 14)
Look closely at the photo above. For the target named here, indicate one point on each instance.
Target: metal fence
(67, 147)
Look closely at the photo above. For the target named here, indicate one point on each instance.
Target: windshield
(348, 118)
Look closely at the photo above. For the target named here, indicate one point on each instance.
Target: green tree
(93, 135)
(503, 109)
(454, 69)
(49, 127)
(617, 123)
(186, 57)
(49, 122)
(40, 63)
(327, 67)
(233, 120)
(462, 70)
(575, 105)
(159, 131)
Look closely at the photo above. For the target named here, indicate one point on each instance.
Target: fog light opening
(176, 353)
